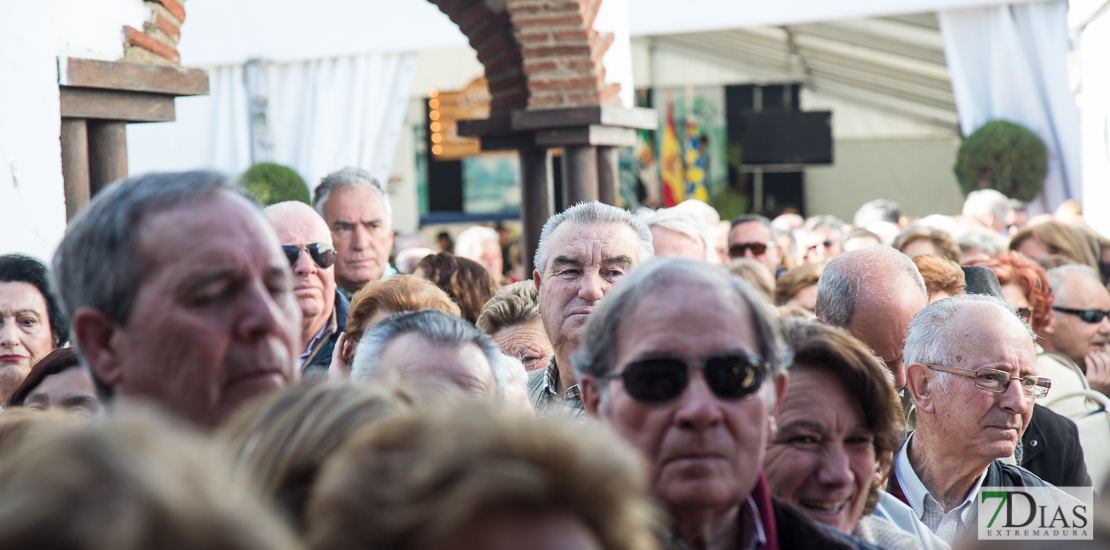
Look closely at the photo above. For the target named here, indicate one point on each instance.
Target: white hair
(594, 212)
(1057, 277)
(928, 339)
(682, 222)
(700, 209)
(986, 201)
(469, 243)
(350, 178)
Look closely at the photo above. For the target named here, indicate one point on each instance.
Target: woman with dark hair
(58, 382)
(32, 322)
(839, 426)
(465, 281)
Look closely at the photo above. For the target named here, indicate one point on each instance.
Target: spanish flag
(671, 168)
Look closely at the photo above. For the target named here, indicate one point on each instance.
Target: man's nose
(592, 286)
(304, 265)
(698, 408)
(1013, 398)
(260, 313)
(749, 253)
(1104, 325)
(360, 238)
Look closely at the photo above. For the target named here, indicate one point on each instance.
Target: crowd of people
(195, 371)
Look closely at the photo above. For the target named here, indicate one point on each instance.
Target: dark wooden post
(579, 174)
(107, 153)
(535, 200)
(608, 175)
(75, 164)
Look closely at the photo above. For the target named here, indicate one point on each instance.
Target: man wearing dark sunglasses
(1079, 328)
(751, 237)
(685, 363)
(306, 242)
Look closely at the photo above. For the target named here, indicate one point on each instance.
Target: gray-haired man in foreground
(180, 294)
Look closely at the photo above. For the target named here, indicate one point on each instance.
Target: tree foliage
(271, 183)
(1003, 156)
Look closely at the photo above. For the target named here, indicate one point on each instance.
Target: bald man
(306, 241)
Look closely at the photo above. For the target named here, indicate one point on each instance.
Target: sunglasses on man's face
(1091, 316)
(737, 250)
(661, 379)
(321, 253)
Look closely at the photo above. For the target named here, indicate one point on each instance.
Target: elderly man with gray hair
(356, 208)
(179, 294)
(873, 293)
(686, 364)
(972, 375)
(988, 206)
(583, 252)
(681, 234)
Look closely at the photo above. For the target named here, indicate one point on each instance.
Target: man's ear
(537, 278)
(97, 337)
(1050, 326)
(591, 395)
(922, 387)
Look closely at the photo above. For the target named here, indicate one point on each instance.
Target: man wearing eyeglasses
(751, 237)
(685, 364)
(972, 375)
(1080, 329)
(306, 241)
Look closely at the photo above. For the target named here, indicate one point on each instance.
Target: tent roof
(894, 63)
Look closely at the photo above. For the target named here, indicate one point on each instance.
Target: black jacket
(999, 474)
(319, 362)
(1050, 449)
(798, 532)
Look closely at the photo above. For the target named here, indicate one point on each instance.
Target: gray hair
(350, 178)
(594, 212)
(986, 201)
(848, 274)
(512, 305)
(875, 211)
(745, 218)
(469, 243)
(440, 328)
(682, 222)
(660, 277)
(928, 340)
(1057, 276)
(98, 263)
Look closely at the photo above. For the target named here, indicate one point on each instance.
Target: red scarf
(761, 495)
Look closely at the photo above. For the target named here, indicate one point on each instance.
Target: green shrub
(271, 183)
(1004, 156)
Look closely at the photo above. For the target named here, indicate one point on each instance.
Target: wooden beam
(588, 135)
(579, 175)
(107, 153)
(116, 105)
(608, 175)
(133, 77)
(536, 201)
(75, 165)
(546, 119)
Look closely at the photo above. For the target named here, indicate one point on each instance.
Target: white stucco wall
(32, 200)
(32, 36)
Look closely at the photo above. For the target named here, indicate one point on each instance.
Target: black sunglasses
(737, 250)
(661, 379)
(321, 253)
(1087, 315)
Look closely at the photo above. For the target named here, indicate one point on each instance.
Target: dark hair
(465, 281)
(745, 218)
(837, 352)
(59, 360)
(17, 268)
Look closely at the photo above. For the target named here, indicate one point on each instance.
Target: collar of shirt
(325, 331)
(571, 399)
(924, 505)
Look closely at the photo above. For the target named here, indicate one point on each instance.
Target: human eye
(342, 227)
(28, 321)
(860, 439)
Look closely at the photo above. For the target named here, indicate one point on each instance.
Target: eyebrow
(36, 397)
(624, 260)
(75, 400)
(566, 260)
